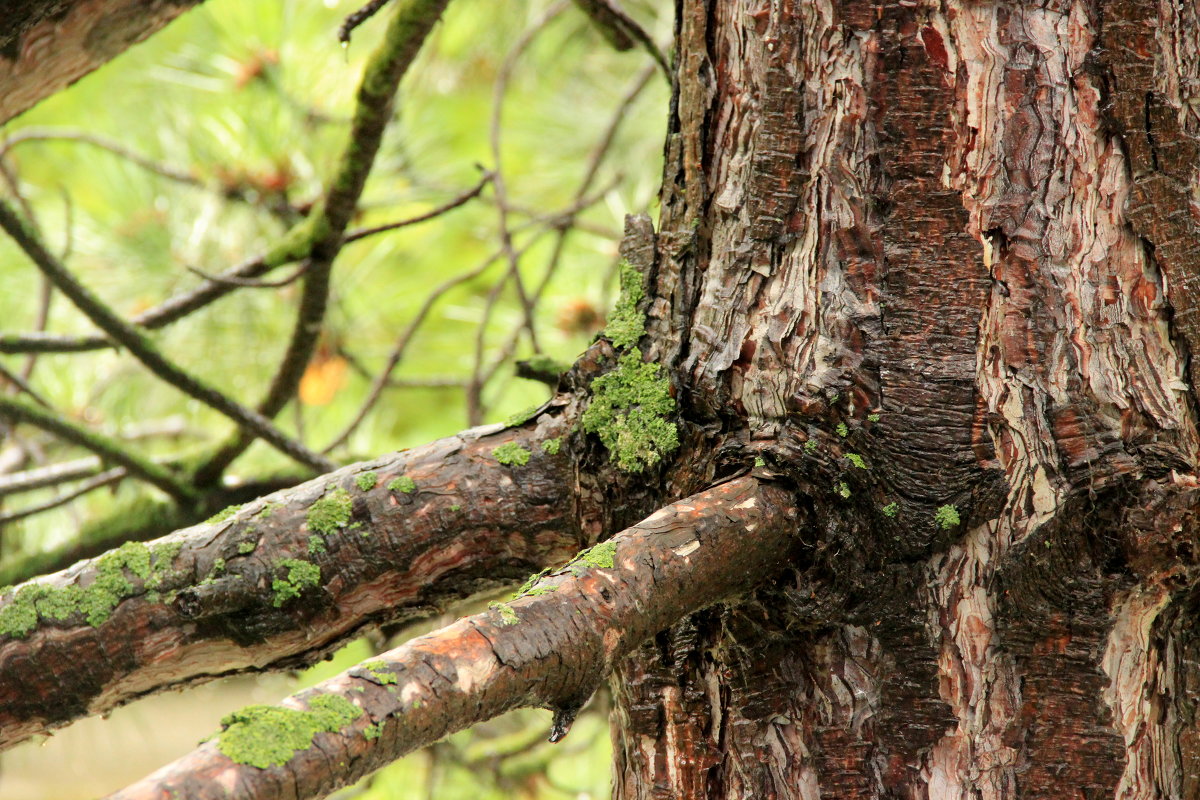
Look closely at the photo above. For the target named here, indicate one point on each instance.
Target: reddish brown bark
(551, 650)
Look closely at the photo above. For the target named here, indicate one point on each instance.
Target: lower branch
(551, 646)
(284, 580)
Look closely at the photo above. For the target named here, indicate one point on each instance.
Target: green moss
(842, 430)
(366, 481)
(810, 446)
(891, 510)
(380, 672)
(511, 454)
(856, 460)
(268, 509)
(267, 736)
(946, 517)
(403, 484)
(843, 489)
(626, 324)
(759, 462)
(373, 731)
(629, 410)
(19, 616)
(545, 365)
(531, 581)
(872, 418)
(330, 512)
(538, 591)
(552, 446)
(247, 547)
(301, 575)
(222, 515)
(602, 556)
(456, 508)
(522, 416)
(316, 545)
(507, 615)
(218, 565)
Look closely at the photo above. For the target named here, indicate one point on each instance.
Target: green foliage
(300, 575)
(629, 412)
(403, 484)
(511, 454)
(946, 517)
(267, 736)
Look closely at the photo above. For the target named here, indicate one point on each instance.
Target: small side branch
(549, 647)
(284, 580)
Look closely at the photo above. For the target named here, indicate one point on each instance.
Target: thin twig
(622, 30)
(145, 351)
(362, 233)
(106, 447)
(42, 477)
(103, 479)
(20, 383)
(357, 18)
(253, 283)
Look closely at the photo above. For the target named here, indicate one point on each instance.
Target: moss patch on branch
(330, 512)
(403, 484)
(267, 736)
(301, 575)
(629, 412)
(511, 454)
(366, 481)
(946, 517)
(626, 324)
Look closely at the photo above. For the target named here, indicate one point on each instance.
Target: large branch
(550, 647)
(46, 45)
(284, 580)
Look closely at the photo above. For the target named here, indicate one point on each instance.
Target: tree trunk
(934, 263)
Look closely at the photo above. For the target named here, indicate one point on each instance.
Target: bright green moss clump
(267, 736)
(602, 555)
(629, 411)
(551, 447)
(511, 454)
(330, 512)
(507, 615)
(366, 481)
(891, 509)
(626, 325)
(856, 460)
(403, 484)
(301, 575)
(222, 515)
(380, 672)
(946, 517)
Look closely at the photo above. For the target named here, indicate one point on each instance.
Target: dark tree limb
(46, 45)
(550, 647)
(391, 540)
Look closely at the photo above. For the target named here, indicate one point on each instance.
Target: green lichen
(842, 430)
(511, 454)
(602, 556)
(629, 412)
(843, 489)
(366, 481)
(380, 672)
(626, 324)
(403, 484)
(20, 616)
(552, 446)
(301, 575)
(522, 416)
(856, 460)
(507, 615)
(890, 510)
(246, 548)
(222, 515)
(330, 512)
(946, 517)
(267, 736)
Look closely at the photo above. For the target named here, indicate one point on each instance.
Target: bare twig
(145, 351)
(622, 30)
(106, 447)
(98, 482)
(357, 18)
(362, 233)
(20, 383)
(253, 283)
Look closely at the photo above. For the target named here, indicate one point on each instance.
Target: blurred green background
(253, 99)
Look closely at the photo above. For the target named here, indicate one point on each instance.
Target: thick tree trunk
(933, 262)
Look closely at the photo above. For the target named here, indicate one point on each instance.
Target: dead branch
(549, 647)
(282, 581)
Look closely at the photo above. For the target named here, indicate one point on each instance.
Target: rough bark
(394, 539)
(926, 260)
(550, 647)
(46, 45)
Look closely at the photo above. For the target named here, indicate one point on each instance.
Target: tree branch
(550, 647)
(391, 540)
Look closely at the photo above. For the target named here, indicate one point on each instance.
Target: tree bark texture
(46, 45)
(933, 262)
